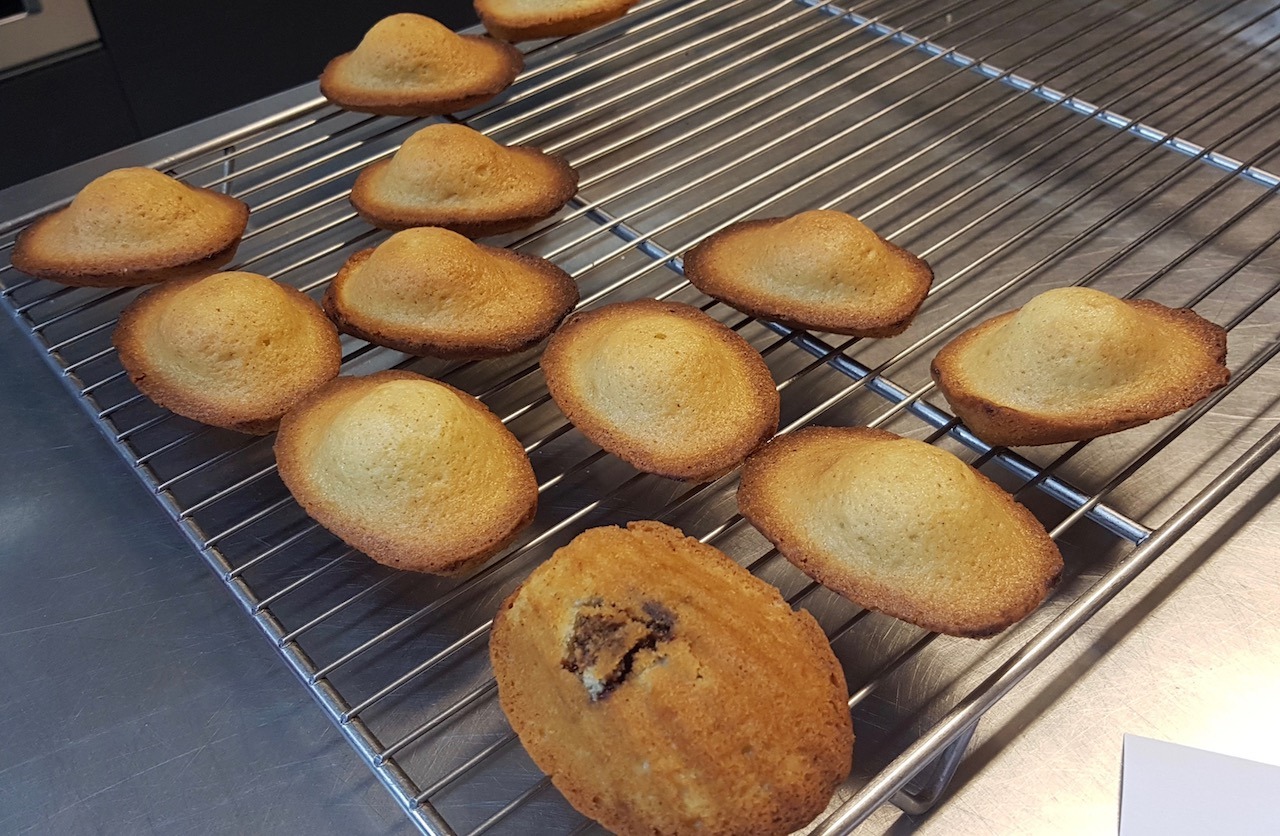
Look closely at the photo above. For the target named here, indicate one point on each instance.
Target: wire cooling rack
(1016, 144)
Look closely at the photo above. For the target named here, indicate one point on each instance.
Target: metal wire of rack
(1015, 144)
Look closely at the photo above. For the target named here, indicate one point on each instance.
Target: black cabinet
(165, 63)
(181, 61)
(61, 113)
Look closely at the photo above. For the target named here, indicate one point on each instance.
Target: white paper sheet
(1169, 790)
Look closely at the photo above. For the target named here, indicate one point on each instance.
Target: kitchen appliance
(35, 29)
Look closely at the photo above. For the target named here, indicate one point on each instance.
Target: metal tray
(1017, 145)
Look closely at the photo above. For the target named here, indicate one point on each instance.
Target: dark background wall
(164, 63)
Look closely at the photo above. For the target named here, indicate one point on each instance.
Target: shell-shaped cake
(528, 20)
(900, 526)
(234, 350)
(819, 270)
(666, 690)
(130, 227)
(431, 292)
(663, 387)
(454, 177)
(411, 65)
(1076, 363)
(412, 472)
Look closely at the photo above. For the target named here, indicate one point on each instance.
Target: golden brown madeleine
(234, 350)
(133, 226)
(412, 472)
(431, 292)
(528, 20)
(900, 526)
(666, 690)
(663, 387)
(1075, 363)
(411, 65)
(453, 177)
(820, 270)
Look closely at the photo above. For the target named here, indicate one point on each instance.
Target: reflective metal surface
(138, 699)
(1016, 145)
(45, 28)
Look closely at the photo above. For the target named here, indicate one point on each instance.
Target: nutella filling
(606, 638)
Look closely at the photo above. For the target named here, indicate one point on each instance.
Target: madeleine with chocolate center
(456, 178)
(900, 526)
(528, 20)
(130, 227)
(1076, 363)
(411, 65)
(431, 292)
(663, 387)
(234, 350)
(666, 690)
(819, 270)
(412, 472)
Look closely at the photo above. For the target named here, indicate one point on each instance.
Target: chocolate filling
(606, 638)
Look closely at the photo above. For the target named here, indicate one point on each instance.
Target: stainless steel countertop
(130, 714)
(144, 701)
(1190, 653)
(140, 699)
